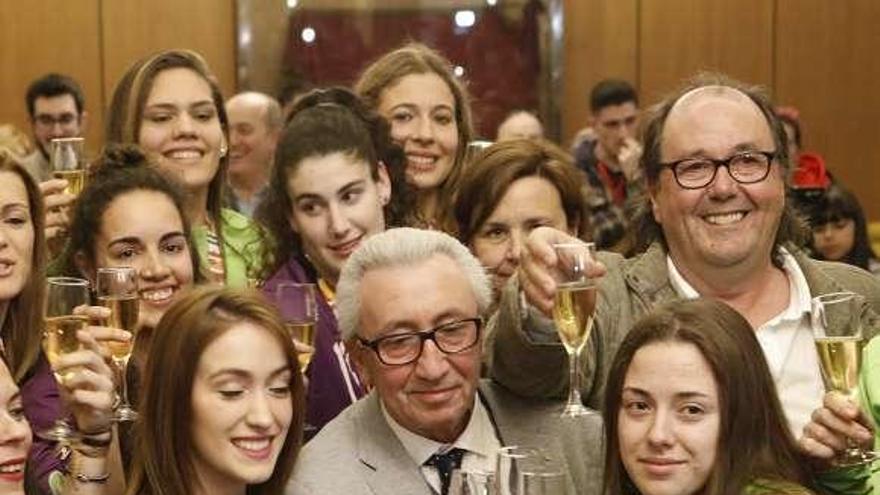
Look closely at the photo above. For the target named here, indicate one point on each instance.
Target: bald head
(254, 127)
(520, 125)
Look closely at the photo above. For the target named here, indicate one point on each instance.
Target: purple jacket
(42, 405)
(333, 384)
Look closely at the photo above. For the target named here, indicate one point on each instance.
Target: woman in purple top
(22, 292)
(336, 172)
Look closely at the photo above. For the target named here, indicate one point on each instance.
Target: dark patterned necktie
(445, 463)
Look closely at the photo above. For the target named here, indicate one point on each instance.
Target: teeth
(12, 468)
(255, 445)
(184, 154)
(421, 160)
(725, 218)
(157, 295)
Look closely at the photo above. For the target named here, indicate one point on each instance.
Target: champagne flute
(299, 310)
(116, 289)
(510, 461)
(472, 483)
(573, 310)
(63, 295)
(542, 481)
(67, 160)
(837, 331)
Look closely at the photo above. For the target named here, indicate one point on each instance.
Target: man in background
(609, 155)
(254, 126)
(520, 124)
(56, 107)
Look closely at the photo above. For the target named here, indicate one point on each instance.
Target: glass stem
(123, 382)
(574, 378)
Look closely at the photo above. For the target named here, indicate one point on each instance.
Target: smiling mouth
(183, 155)
(258, 449)
(5, 268)
(421, 163)
(725, 218)
(157, 296)
(345, 249)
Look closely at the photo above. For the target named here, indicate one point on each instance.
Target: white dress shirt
(787, 341)
(478, 440)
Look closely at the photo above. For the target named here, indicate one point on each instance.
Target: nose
(184, 125)
(515, 247)
(660, 433)
(723, 185)
(13, 431)
(153, 267)
(339, 224)
(259, 414)
(432, 364)
(424, 130)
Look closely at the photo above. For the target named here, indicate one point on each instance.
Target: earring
(223, 150)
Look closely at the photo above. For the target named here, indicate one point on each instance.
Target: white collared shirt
(478, 440)
(787, 341)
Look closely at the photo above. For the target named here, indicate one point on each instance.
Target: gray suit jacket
(358, 453)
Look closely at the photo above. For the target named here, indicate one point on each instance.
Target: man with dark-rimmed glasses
(410, 305)
(714, 223)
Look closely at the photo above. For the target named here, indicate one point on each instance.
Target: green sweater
(243, 252)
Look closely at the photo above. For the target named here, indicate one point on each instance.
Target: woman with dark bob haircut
(691, 407)
(511, 188)
(222, 400)
(840, 232)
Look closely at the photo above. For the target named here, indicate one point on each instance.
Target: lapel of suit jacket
(387, 465)
(529, 426)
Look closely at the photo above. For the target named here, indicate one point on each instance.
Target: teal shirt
(243, 251)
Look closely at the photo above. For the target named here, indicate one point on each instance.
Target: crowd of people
(435, 344)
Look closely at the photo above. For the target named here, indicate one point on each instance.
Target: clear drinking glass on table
(465, 482)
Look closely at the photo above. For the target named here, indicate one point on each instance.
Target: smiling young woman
(171, 106)
(222, 401)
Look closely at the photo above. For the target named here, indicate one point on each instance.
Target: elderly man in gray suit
(409, 304)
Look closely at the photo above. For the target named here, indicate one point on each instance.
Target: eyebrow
(172, 106)
(240, 373)
(447, 316)
(739, 148)
(16, 205)
(303, 196)
(137, 240)
(678, 395)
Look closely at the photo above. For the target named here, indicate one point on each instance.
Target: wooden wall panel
(827, 66)
(600, 42)
(136, 29)
(41, 36)
(677, 38)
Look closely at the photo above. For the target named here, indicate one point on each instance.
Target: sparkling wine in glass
(61, 323)
(573, 310)
(837, 332)
(299, 309)
(68, 162)
(116, 289)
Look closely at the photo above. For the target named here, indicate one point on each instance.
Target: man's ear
(655, 208)
(83, 122)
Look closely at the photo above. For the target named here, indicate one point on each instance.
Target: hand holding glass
(116, 289)
(299, 309)
(837, 332)
(63, 296)
(573, 310)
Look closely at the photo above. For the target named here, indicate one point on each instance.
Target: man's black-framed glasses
(404, 348)
(747, 167)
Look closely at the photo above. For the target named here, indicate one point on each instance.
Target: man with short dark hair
(410, 305)
(610, 156)
(56, 107)
(254, 128)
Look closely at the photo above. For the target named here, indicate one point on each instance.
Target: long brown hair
(130, 96)
(491, 173)
(20, 328)
(416, 58)
(754, 440)
(164, 464)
